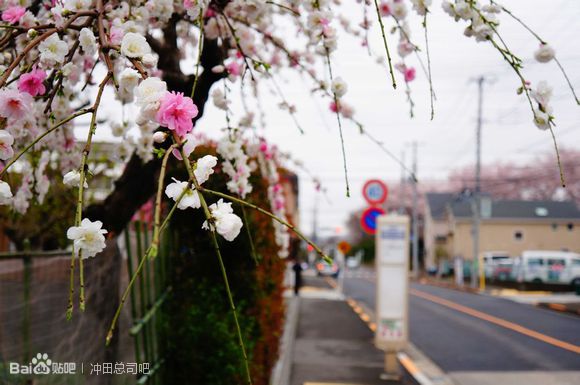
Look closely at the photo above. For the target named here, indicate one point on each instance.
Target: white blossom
(542, 94)
(190, 198)
(149, 92)
(77, 5)
(541, 120)
(73, 179)
(545, 53)
(88, 238)
(150, 60)
(128, 80)
(421, 6)
(339, 87)
(219, 99)
(159, 136)
(225, 222)
(204, 168)
(5, 193)
(6, 141)
(88, 41)
(134, 45)
(52, 50)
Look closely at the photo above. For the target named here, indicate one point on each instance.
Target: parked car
(492, 259)
(544, 266)
(324, 268)
(502, 270)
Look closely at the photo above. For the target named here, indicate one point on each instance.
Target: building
(436, 228)
(507, 225)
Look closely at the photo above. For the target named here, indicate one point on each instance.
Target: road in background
(468, 334)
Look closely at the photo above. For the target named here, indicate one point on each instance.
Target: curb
(411, 369)
(560, 307)
(414, 363)
(282, 370)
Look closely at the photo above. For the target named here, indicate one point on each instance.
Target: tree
(540, 181)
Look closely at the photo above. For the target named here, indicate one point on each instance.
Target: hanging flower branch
(64, 59)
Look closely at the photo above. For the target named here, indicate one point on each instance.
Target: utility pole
(402, 185)
(315, 217)
(476, 194)
(415, 245)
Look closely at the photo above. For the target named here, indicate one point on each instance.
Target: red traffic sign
(368, 220)
(375, 191)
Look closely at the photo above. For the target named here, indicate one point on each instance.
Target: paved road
(464, 332)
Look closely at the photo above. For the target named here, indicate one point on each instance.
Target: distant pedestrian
(297, 276)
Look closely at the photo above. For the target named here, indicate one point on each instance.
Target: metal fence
(34, 290)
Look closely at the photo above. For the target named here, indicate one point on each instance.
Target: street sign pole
(392, 266)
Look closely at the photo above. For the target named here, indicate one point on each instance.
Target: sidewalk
(332, 345)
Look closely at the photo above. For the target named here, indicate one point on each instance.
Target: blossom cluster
(268, 162)
(483, 27)
(483, 19)
(58, 56)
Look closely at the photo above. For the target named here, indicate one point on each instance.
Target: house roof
(438, 203)
(517, 209)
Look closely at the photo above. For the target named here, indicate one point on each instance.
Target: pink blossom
(13, 14)
(265, 149)
(234, 68)
(385, 10)
(333, 107)
(116, 35)
(409, 74)
(32, 82)
(14, 104)
(176, 112)
(210, 13)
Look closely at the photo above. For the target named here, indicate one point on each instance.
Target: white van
(546, 266)
(492, 259)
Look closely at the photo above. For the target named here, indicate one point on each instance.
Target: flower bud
(159, 136)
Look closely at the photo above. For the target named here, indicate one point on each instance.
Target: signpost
(344, 247)
(368, 220)
(392, 266)
(375, 192)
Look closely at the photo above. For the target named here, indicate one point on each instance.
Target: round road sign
(368, 220)
(375, 191)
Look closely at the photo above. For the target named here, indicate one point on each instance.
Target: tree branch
(137, 184)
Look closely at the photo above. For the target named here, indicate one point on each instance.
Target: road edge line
(413, 361)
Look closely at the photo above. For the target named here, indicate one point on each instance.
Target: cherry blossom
(544, 53)
(32, 82)
(190, 198)
(204, 168)
(225, 222)
(5, 193)
(14, 104)
(52, 50)
(13, 14)
(176, 112)
(73, 179)
(134, 45)
(88, 238)
(6, 141)
(88, 41)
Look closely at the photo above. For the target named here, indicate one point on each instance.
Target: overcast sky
(448, 141)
